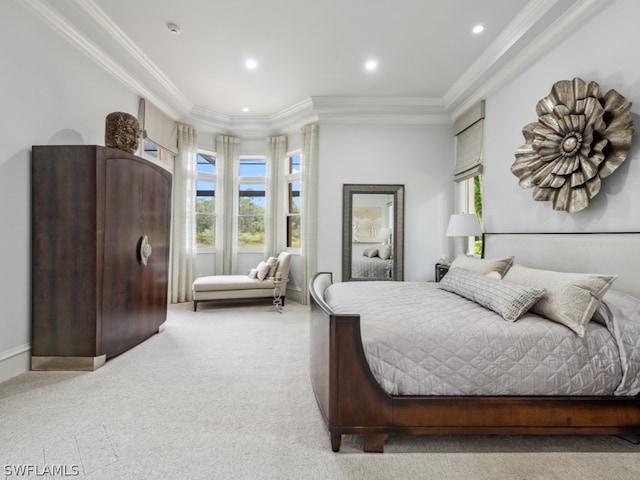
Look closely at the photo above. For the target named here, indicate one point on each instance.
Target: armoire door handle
(145, 250)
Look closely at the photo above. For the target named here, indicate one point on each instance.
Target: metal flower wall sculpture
(580, 138)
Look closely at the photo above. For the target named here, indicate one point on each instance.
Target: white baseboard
(294, 294)
(15, 362)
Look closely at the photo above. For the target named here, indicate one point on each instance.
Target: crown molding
(300, 108)
(470, 87)
(59, 24)
(287, 121)
(521, 24)
(386, 119)
(376, 102)
(329, 109)
(132, 50)
(377, 110)
(335, 110)
(564, 26)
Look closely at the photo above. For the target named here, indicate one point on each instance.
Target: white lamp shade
(464, 225)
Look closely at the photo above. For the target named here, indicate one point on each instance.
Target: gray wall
(51, 94)
(417, 156)
(603, 50)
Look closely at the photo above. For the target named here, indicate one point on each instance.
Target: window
(251, 202)
(155, 153)
(470, 200)
(206, 200)
(150, 149)
(292, 210)
(475, 195)
(469, 130)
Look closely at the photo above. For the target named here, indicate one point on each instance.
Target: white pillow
(384, 252)
(509, 300)
(263, 270)
(273, 266)
(483, 265)
(571, 298)
(253, 273)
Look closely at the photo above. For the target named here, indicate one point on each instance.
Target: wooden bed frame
(352, 402)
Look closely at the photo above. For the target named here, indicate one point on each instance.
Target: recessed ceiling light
(251, 64)
(173, 28)
(371, 65)
(478, 29)
(245, 109)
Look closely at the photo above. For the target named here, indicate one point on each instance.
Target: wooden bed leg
(336, 439)
(195, 306)
(374, 443)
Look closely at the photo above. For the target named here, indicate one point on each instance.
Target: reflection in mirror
(372, 232)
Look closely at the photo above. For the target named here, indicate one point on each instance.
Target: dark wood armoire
(100, 254)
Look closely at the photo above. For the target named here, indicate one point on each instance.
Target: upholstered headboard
(606, 253)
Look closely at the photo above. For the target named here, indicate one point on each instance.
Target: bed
(364, 267)
(355, 399)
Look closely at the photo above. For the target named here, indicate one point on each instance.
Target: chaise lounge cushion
(229, 282)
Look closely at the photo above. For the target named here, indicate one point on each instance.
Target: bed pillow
(253, 273)
(371, 252)
(263, 270)
(384, 252)
(571, 298)
(483, 265)
(509, 300)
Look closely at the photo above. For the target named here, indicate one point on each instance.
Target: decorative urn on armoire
(122, 131)
(100, 254)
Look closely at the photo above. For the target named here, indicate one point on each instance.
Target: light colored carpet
(224, 393)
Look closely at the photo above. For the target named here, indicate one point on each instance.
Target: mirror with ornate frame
(372, 232)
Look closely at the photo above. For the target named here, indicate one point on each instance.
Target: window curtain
(158, 127)
(309, 206)
(228, 149)
(469, 131)
(276, 151)
(183, 256)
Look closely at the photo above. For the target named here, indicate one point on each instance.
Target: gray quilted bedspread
(421, 340)
(374, 267)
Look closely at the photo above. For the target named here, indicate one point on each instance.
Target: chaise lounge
(260, 283)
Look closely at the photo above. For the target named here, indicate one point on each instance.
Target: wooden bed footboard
(352, 402)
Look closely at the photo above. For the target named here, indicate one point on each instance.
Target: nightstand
(441, 271)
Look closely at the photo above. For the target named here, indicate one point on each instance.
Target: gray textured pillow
(509, 300)
(483, 265)
(571, 298)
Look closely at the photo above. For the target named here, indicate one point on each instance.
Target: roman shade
(158, 127)
(469, 135)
